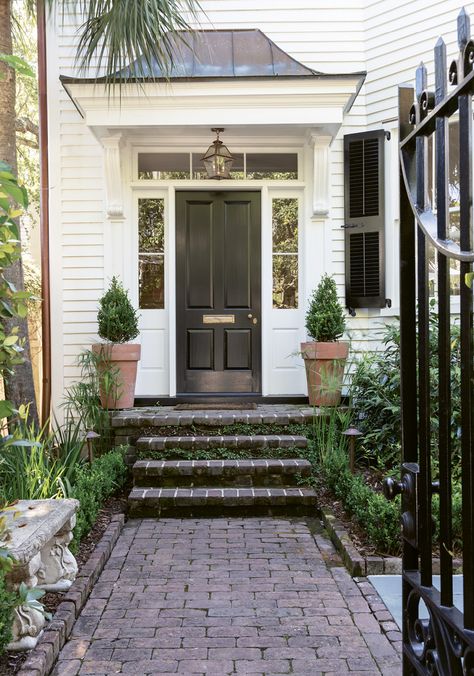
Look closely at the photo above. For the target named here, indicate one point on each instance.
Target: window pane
(285, 225)
(151, 226)
(237, 170)
(171, 166)
(282, 166)
(285, 281)
(151, 281)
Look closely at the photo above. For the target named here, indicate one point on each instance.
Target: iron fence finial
(464, 28)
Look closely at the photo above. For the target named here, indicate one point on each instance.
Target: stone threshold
(41, 659)
(362, 566)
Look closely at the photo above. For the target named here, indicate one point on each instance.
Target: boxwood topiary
(117, 318)
(325, 320)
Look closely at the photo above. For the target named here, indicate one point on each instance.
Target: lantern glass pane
(236, 171)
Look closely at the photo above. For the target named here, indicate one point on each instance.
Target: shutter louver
(364, 219)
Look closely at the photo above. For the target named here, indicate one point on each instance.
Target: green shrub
(379, 518)
(325, 320)
(117, 318)
(94, 483)
(8, 601)
(39, 464)
(375, 393)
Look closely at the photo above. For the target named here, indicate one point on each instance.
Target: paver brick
(225, 596)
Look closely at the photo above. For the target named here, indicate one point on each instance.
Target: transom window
(182, 166)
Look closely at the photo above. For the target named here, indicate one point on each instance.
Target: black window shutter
(364, 219)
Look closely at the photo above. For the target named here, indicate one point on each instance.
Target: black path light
(91, 437)
(352, 435)
(217, 159)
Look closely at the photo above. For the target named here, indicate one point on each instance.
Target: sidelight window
(151, 254)
(285, 252)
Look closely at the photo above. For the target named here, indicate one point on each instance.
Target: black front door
(218, 292)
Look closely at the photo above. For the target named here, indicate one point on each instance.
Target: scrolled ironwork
(434, 644)
(453, 73)
(419, 631)
(427, 218)
(468, 659)
(468, 57)
(427, 102)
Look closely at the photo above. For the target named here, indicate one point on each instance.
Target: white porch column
(113, 177)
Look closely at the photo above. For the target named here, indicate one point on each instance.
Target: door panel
(238, 348)
(199, 255)
(200, 349)
(237, 232)
(218, 291)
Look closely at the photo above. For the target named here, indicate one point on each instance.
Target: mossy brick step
(221, 441)
(167, 416)
(219, 473)
(212, 501)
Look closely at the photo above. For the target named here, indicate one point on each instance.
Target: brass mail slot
(218, 319)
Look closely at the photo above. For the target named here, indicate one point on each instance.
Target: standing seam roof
(220, 53)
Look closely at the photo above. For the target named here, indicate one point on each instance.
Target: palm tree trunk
(20, 388)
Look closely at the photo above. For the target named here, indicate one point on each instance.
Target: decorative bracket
(320, 145)
(113, 177)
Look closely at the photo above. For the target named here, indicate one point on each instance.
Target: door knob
(250, 315)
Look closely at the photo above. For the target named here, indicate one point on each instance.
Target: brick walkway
(225, 596)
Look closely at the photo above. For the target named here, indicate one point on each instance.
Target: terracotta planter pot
(324, 363)
(121, 359)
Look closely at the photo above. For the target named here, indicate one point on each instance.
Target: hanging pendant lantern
(217, 160)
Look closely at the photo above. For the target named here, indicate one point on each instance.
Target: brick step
(238, 473)
(221, 441)
(269, 419)
(167, 416)
(211, 501)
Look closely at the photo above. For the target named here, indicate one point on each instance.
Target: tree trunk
(20, 388)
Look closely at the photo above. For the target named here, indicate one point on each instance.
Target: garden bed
(95, 486)
(359, 555)
(12, 663)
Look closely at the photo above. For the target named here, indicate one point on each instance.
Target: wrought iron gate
(428, 123)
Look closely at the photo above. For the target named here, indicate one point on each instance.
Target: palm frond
(115, 33)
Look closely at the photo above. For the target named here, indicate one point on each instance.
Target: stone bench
(39, 534)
